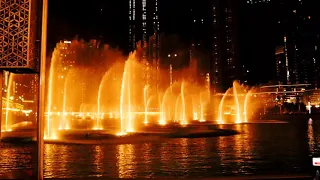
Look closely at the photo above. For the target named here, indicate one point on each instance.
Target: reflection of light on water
(237, 147)
(184, 153)
(238, 144)
(9, 159)
(98, 157)
(126, 160)
(164, 156)
(146, 150)
(311, 138)
(48, 160)
(242, 148)
(56, 156)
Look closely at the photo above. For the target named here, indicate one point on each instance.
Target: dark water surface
(259, 149)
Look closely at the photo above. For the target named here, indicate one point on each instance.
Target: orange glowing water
(8, 98)
(245, 109)
(145, 96)
(65, 124)
(126, 95)
(183, 120)
(237, 104)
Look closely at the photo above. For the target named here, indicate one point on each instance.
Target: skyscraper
(199, 50)
(296, 25)
(224, 65)
(144, 23)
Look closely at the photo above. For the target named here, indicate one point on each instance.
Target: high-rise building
(299, 38)
(199, 50)
(144, 33)
(224, 65)
(143, 22)
(281, 65)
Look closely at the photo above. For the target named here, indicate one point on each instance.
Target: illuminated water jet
(65, 124)
(236, 98)
(8, 98)
(220, 117)
(194, 108)
(145, 94)
(201, 108)
(98, 118)
(122, 102)
(245, 109)
(183, 120)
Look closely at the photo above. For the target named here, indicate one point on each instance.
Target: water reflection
(14, 158)
(311, 141)
(126, 161)
(49, 160)
(146, 157)
(98, 160)
(184, 153)
(258, 149)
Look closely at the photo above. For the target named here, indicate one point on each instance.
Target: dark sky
(108, 18)
(88, 19)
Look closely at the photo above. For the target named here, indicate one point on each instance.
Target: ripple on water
(258, 149)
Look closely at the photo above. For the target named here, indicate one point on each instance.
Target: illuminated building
(258, 1)
(281, 65)
(224, 65)
(144, 23)
(300, 42)
(200, 43)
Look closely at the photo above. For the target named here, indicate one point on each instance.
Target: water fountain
(95, 90)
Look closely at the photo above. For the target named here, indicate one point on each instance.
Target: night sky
(88, 20)
(108, 19)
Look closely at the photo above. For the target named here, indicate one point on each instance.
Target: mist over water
(122, 94)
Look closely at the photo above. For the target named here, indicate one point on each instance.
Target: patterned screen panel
(18, 35)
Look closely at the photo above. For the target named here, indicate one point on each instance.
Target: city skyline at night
(159, 89)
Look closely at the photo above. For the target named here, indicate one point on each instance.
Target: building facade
(225, 66)
(144, 34)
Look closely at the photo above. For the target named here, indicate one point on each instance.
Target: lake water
(259, 149)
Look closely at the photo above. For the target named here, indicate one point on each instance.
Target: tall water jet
(125, 116)
(8, 97)
(194, 108)
(98, 118)
(97, 126)
(129, 124)
(245, 109)
(145, 96)
(220, 117)
(177, 109)
(163, 113)
(183, 120)
(201, 108)
(64, 124)
(236, 98)
(49, 134)
(159, 105)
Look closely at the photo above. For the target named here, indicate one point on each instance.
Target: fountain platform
(19, 136)
(145, 134)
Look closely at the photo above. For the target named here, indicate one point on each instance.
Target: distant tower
(132, 26)
(144, 34)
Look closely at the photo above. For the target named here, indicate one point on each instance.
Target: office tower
(144, 35)
(224, 64)
(297, 27)
(281, 65)
(200, 33)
